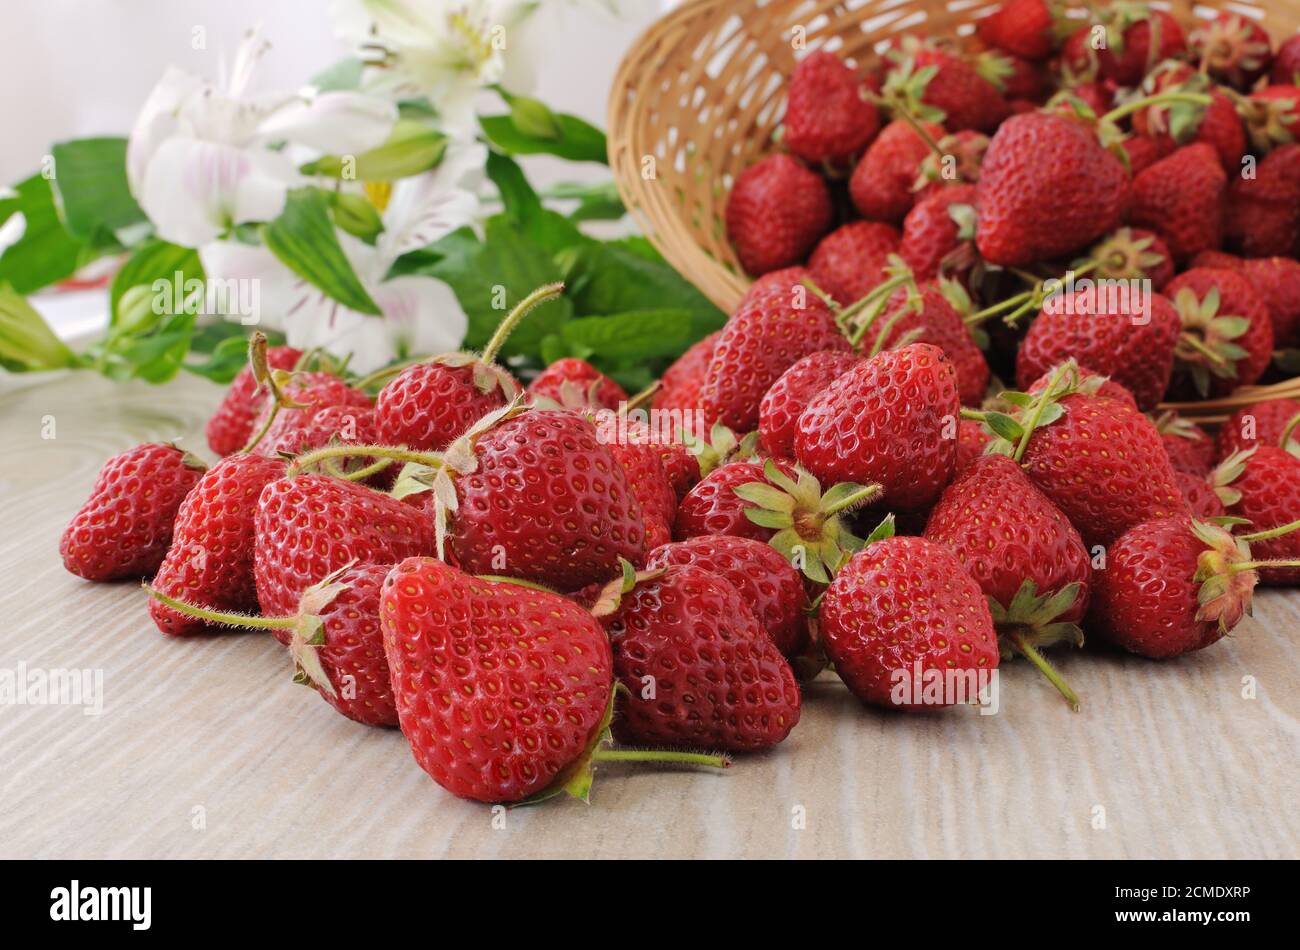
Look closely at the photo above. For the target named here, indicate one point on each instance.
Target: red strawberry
(1133, 254)
(698, 668)
(231, 426)
(776, 212)
(764, 579)
(1149, 37)
(971, 439)
(827, 118)
(788, 281)
(1142, 153)
(957, 161)
(1286, 65)
(778, 413)
(1276, 279)
(1231, 49)
(1031, 209)
(1260, 424)
(309, 526)
(502, 690)
(680, 386)
(1263, 218)
(1227, 338)
(1199, 495)
(578, 382)
(940, 87)
(1182, 198)
(882, 186)
(899, 613)
(890, 420)
(1182, 123)
(307, 394)
(1189, 447)
(334, 639)
(210, 561)
(1086, 380)
(1102, 492)
(923, 315)
(939, 233)
(1270, 498)
(1022, 27)
(712, 506)
(648, 482)
(1131, 341)
(1171, 587)
(850, 261)
(540, 498)
(1272, 116)
(693, 457)
(124, 528)
(759, 343)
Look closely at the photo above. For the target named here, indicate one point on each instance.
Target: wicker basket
(701, 92)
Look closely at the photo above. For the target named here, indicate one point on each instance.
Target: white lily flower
(420, 314)
(203, 158)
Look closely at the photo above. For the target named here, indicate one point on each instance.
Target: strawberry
(776, 212)
(1022, 551)
(850, 261)
(1021, 82)
(1263, 218)
(886, 421)
(304, 395)
(1182, 123)
(1031, 208)
(1227, 338)
(1286, 65)
(922, 314)
(231, 426)
(1147, 37)
(648, 482)
(1272, 116)
(574, 381)
(697, 667)
(1182, 198)
(1189, 447)
(1172, 586)
(759, 343)
(501, 689)
(764, 579)
(882, 185)
(956, 160)
(210, 561)
(680, 386)
(1131, 341)
(1060, 437)
(1231, 49)
(971, 440)
(124, 528)
(1133, 254)
(334, 639)
(939, 233)
(1199, 496)
(939, 87)
(1270, 498)
(1022, 27)
(1260, 424)
(1276, 279)
(778, 413)
(309, 526)
(428, 405)
(686, 461)
(828, 119)
(1141, 153)
(1085, 380)
(903, 610)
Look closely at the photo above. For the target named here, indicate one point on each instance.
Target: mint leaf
(303, 239)
(634, 336)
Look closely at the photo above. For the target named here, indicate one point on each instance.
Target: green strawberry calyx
(1206, 347)
(1033, 411)
(810, 525)
(1123, 255)
(721, 446)
(1226, 575)
(271, 380)
(1269, 122)
(1228, 471)
(1029, 623)
(611, 595)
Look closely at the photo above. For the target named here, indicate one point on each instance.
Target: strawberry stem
(1290, 428)
(1241, 566)
(362, 474)
(216, 616)
(539, 296)
(865, 494)
(1270, 533)
(363, 451)
(661, 755)
(1191, 340)
(1119, 112)
(1036, 413)
(643, 397)
(1055, 678)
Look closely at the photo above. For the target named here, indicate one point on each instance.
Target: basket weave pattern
(698, 98)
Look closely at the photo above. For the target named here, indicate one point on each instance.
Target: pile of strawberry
(518, 577)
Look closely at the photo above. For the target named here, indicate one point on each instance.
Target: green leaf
(152, 261)
(156, 357)
(90, 178)
(547, 229)
(225, 345)
(303, 239)
(570, 138)
(1005, 426)
(46, 253)
(598, 202)
(26, 341)
(633, 336)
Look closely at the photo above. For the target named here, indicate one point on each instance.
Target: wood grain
(1183, 765)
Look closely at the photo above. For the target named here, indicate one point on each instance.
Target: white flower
(447, 51)
(420, 314)
(204, 158)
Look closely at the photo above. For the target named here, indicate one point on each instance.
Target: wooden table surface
(204, 748)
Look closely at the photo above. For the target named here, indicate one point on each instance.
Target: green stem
(1011, 303)
(216, 616)
(1055, 678)
(831, 303)
(539, 296)
(1191, 340)
(361, 474)
(643, 397)
(1270, 533)
(974, 415)
(1037, 412)
(1195, 98)
(1241, 566)
(518, 582)
(1290, 428)
(363, 451)
(661, 755)
(866, 493)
